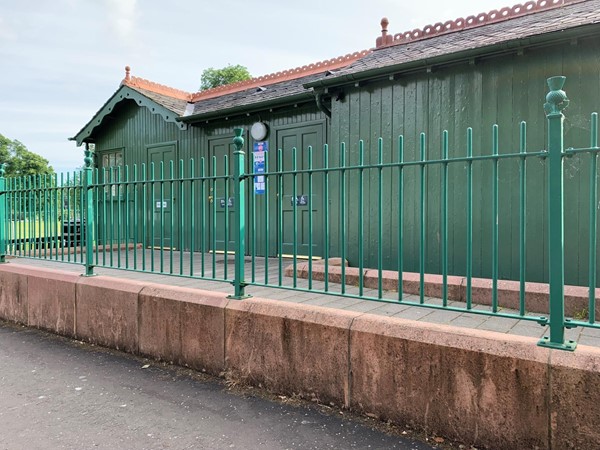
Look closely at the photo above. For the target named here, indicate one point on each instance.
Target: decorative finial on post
(556, 99)
(384, 39)
(238, 140)
(89, 159)
(127, 73)
(2, 170)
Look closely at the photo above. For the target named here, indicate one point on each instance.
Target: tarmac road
(58, 394)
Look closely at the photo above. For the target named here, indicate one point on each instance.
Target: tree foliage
(20, 161)
(212, 77)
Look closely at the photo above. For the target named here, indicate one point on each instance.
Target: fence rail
(186, 219)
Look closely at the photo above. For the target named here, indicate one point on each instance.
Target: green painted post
(240, 215)
(89, 223)
(556, 102)
(3, 218)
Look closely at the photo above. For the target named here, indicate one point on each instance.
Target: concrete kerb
(290, 348)
(107, 312)
(196, 338)
(478, 387)
(536, 294)
(471, 385)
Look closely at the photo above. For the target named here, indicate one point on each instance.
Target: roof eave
(124, 93)
(247, 109)
(465, 55)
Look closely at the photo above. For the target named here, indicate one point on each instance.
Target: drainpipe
(321, 105)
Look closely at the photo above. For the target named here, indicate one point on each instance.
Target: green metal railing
(184, 219)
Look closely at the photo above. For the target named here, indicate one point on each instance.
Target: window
(111, 160)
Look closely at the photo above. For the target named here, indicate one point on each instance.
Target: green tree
(212, 77)
(20, 161)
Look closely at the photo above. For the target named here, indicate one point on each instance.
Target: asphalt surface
(60, 394)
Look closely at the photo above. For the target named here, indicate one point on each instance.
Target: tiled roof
(256, 95)
(472, 33)
(285, 75)
(174, 104)
(571, 15)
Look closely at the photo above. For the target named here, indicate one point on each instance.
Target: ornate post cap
(89, 159)
(238, 140)
(2, 170)
(556, 99)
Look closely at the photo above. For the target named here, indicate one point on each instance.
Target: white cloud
(6, 31)
(121, 16)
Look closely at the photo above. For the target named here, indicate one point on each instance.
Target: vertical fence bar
(226, 221)
(469, 270)
(153, 208)
(214, 216)
(32, 209)
(125, 188)
(445, 218)
(326, 214)
(135, 215)
(19, 184)
(310, 217)
(422, 221)
(495, 219)
(181, 219)
(240, 216)
(593, 218)
(161, 166)
(119, 215)
(145, 216)
(295, 216)
(203, 208)
(111, 198)
(193, 214)
(62, 217)
(280, 214)
(172, 215)
(361, 263)
(556, 102)
(253, 227)
(522, 215)
(343, 214)
(3, 215)
(96, 209)
(55, 226)
(172, 218)
(400, 217)
(267, 218)
(46, 223)
(379, 218)
(88, 223)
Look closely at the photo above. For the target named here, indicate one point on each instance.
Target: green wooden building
(473, 72)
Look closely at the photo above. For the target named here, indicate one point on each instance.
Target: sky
(60, 60)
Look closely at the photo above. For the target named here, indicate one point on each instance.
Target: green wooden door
(221, 194)
(300, 138)
(164, 220)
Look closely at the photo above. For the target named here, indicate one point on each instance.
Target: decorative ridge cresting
(141, 83)
(264, 80)
(284, 75)
(479, 20)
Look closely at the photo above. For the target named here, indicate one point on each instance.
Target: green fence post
(556, 102)
(3, 218)
(88, 212)
(240, 215)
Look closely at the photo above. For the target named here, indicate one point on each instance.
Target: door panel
(296, 189)
(222, 204)
(163, 204)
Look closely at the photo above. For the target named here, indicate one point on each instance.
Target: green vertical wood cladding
(501, 90)
(139, 134)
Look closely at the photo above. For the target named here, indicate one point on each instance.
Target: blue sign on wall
(260, 148)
